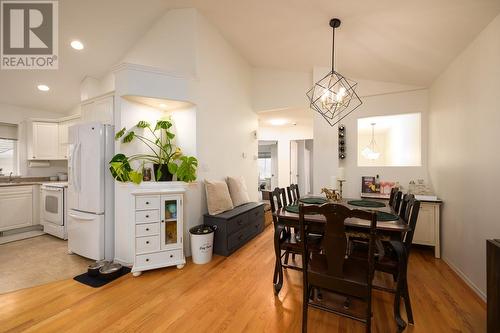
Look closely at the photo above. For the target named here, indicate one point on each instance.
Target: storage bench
(236, 227)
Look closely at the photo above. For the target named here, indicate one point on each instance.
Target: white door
(307, 171)
(89, 168)
(45, 141)
(294, 162)
(86, 234)
(274, 166)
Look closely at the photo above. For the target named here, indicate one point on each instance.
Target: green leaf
(170, 135)
(158, 174)
(163, 124)
(120, 133)
(129, 137)
(120, 168)
(143, 124)
(135, 177)
(172, 168)
(187, 169)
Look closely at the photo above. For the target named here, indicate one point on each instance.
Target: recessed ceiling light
(77, 45)
(163, 105)
(43, 87)
(278, 122)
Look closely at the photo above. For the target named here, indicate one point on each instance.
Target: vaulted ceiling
(408, 42)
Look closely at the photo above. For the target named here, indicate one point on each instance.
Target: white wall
(278, 89)
(463, 157)
(284, 134)
(380, 105)
(17, 115)
(170, 44)
(379, 98)
(194, 63)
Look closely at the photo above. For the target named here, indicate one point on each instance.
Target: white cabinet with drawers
(158, 230)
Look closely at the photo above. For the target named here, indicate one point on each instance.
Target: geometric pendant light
(334, 96)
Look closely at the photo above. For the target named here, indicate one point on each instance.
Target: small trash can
(202, 241)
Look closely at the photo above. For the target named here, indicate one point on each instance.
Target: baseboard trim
(464, 277)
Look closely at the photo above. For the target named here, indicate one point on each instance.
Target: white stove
(54, 208)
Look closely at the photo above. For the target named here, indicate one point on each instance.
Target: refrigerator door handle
(81, 218)
(78, 171)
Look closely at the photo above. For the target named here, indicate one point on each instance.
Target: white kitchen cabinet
(16, 205)
(64, 137)
(99, 109)
(43, 141)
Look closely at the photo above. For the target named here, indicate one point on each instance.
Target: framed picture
(368, 185)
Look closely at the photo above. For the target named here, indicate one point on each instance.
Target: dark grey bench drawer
(238, 238)
(237, 223)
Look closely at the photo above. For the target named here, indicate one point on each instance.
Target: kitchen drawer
(237, 223)
(147, 216)
(158, 258)
(147, 244)
(147, 229)
(147, 202)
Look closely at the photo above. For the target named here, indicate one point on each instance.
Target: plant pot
(166, 176)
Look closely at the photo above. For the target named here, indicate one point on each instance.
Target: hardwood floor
(232, 294)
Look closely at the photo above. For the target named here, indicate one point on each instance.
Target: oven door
(52, 205)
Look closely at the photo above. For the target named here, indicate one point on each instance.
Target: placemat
(313, 200)
(383, 216)
(366, 203)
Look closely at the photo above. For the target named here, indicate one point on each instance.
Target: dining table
(387, 229)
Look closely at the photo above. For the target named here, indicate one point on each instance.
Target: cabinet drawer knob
(147, 229)
(147, 216)
(147, 259)
(171, 256)
(147, 202)
(147, 242)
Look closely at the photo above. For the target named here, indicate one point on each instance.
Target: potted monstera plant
(166, 158)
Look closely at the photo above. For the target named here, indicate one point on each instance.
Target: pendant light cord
(333, 50)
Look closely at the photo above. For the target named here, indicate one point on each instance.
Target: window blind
(8, 131)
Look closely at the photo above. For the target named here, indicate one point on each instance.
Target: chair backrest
(277, 199)
(396, 203)
(404, 203)
(410, 217)
(293, 193)
(394, 191)
(334, 239)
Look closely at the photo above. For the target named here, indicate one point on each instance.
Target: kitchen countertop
(29, 182)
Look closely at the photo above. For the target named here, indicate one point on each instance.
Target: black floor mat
(97, 281)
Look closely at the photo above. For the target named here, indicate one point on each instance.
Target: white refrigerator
(91, 191)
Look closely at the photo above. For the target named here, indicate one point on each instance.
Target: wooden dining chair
(395, 260)
(293, 193)
(288, 243)
(396, 203)
(330, 270)
(394, 191)
(404, 203)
